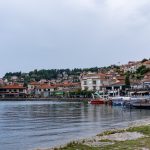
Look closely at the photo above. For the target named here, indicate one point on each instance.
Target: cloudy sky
(37, 34)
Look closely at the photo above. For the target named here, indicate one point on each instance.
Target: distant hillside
(37, 75)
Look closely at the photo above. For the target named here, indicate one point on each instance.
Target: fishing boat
(98, 99)
(119, 101)
(142, 104)
(132, 101)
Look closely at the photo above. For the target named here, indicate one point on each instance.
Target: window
(94, 82)
(85, 83)
(94, 88)
(20, 90)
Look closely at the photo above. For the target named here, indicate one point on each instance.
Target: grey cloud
(78, 33)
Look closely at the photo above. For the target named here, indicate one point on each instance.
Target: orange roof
(119, 83)
(65, 84)
(34, 83)
(14, 87)
(46, 86)
(72, 84)
(120, 78)
(146, 80)
(147, 62)
(100, 75)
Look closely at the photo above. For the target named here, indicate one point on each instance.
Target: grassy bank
(133, 138)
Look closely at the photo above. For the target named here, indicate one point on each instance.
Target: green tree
(127, 80)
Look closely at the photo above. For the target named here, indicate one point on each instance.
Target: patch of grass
(111, 132)
(141, 129)
(125, 145)
(105, 140)
(78, 146)
(129, 145)
(118, 145)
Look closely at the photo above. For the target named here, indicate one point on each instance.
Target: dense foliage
(49, 74)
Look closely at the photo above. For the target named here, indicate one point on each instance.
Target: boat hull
(141, 106)
(97, 101)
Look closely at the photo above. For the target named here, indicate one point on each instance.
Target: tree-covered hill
(49, 74)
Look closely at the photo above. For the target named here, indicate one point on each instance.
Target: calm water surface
(30, 125)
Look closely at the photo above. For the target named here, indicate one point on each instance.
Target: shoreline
(47, 99)
(105, 135)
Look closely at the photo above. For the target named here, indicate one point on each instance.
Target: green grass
(141, 129)
(111, 132)
(105, 140)
(129, 145)
(124, 145)
(77, 146)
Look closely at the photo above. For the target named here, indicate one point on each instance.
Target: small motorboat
(142, 104)
(119, 101)
(97, 101)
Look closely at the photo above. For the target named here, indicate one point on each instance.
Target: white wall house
(131, 66)
(44, 90)
(94, 81)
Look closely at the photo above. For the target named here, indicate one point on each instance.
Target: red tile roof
(46, 86)
(34, 83)
(14, 87)
(119, 83)
(66, 84)
(147, 62)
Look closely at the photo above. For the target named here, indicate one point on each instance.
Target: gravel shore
(97, 140)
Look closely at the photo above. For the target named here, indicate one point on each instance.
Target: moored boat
(142, 104)
(119, 101)
(97, 101)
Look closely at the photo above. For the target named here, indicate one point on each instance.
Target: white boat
(119, 100)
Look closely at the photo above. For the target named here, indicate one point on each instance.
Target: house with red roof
(44, 90)
(146, 81)
(13, 90)
(132, 66)
(147, 64)
(94, 81)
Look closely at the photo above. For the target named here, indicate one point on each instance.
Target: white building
(94, 81)
(131, 66)
(44, 90)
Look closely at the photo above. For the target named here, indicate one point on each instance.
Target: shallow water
(37, 124)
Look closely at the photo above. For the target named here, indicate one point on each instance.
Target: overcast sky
(36, 34)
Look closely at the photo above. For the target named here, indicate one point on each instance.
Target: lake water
(42, 124)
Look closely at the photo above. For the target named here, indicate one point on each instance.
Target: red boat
(97, 101)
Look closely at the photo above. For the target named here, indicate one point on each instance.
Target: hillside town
(130, 78)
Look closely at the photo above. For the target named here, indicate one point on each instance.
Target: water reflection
(28, 125)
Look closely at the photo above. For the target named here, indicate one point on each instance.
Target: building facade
(94, 81)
